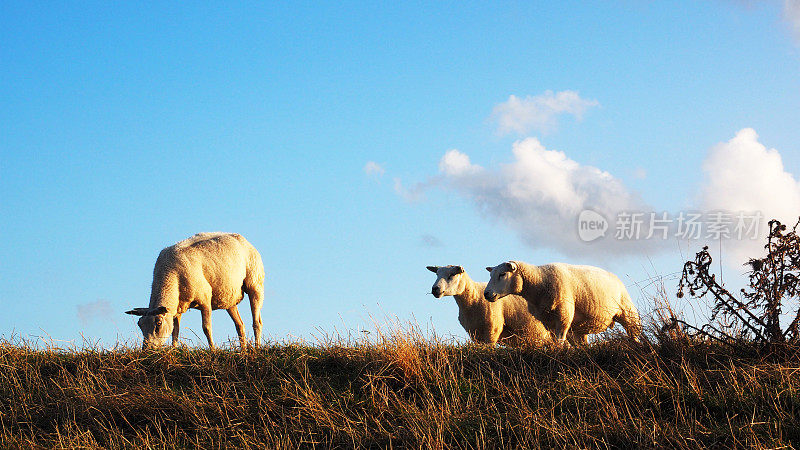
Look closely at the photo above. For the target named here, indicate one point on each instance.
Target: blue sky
(126, 128)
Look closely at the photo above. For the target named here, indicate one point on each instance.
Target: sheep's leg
(256, 295)
(578, 339)
(501, 335)
(628, 317)
(237, 320)
(565, 316)
(205, 312)
(490, 335)
(176, 327)
(630, 321)
(561, 338)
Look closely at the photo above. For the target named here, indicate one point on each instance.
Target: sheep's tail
(254, 279)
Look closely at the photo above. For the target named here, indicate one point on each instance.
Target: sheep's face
(449, 280)
(156, 325)
(504, 280)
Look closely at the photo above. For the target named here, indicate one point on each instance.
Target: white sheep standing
(206, 271)
(507, 321)
(567, 298)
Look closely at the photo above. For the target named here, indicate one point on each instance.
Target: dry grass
(403, 391)
(403, 388)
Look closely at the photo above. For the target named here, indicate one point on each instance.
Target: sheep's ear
(138, 311)
(489, 269)
(511, 266)
(459, 269)
(433, 269)
(159, 310)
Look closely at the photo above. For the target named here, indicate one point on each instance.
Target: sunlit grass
(404, 387)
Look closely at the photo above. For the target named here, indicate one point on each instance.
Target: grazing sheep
(507, 322)
(567, 298)
(206, 271)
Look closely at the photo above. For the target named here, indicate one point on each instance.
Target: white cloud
(640, 173)
(416, 192)
(455, 163)
(541, 194)
(99, 310)
(540, 112)
(372, 168)
(430, 241)
(742, 175)
(791, 12)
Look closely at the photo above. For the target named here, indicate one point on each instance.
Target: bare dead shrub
(774, 280)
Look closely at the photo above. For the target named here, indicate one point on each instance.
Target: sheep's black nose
(489, 297)
(436, 291)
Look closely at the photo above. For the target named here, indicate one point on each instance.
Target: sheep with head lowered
(206, 271)
(566, 298)
(507, 322)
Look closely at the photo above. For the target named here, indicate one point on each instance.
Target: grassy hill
(403, 392)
